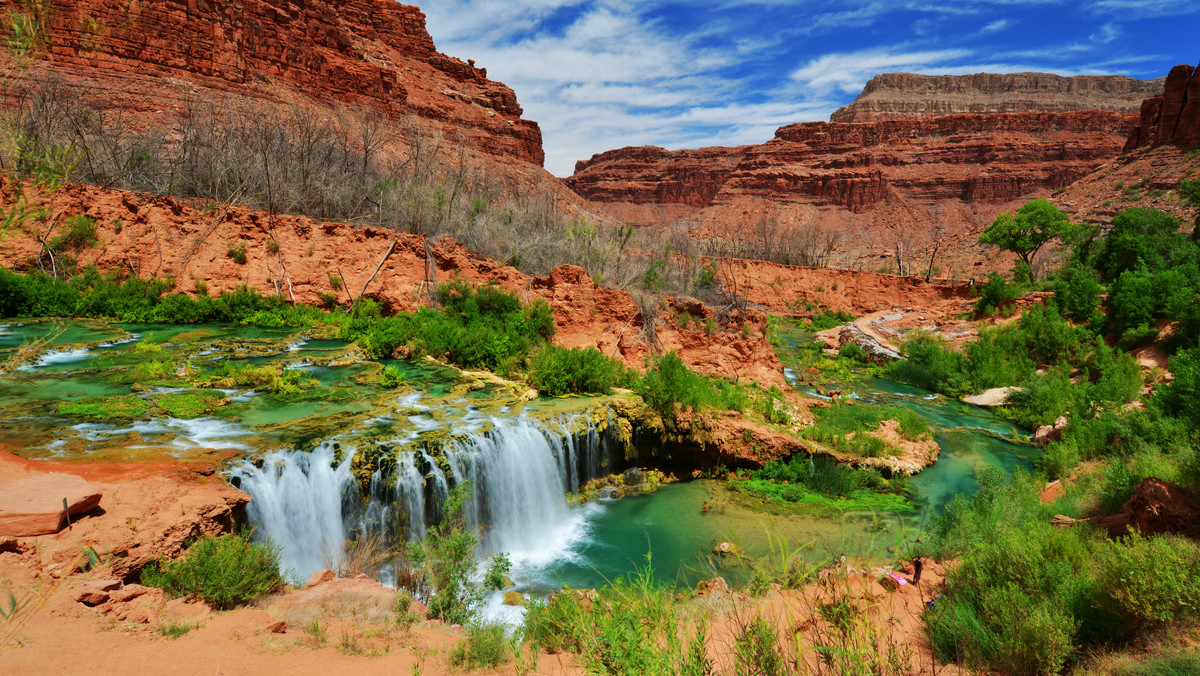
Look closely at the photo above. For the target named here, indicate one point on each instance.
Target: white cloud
(849, 71)
(998, 25)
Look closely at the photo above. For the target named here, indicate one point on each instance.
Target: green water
(615, 537)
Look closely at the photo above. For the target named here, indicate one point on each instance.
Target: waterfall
(298, 502)
(520, 471)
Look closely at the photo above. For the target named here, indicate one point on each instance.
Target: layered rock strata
(375, 55)
(907, 96)
(965, 158)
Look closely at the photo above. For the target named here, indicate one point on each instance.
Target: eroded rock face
(154, 57)
(907, 96)
(1174, 115)
(966, 159)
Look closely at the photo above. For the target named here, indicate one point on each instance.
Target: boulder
(515, 599)
(33, 505)
(95, 592)
(997, 396)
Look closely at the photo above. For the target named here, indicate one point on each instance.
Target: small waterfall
(520, 470)
(299, 499)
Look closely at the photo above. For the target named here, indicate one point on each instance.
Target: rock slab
(33, 505)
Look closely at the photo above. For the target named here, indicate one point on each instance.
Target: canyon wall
(1174, 115)
(968, 158)
(363, 55)
(907, 96)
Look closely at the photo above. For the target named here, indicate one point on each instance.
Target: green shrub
(1152, 580)
(829, 319)
(1138, 336)
(1077, 293)
(756, 650)
(227, 571)
(80, 234)
(854, 352)
(557, 371)
(629, 627)
(995, 295)
(391, 377)
(401, 608)
(668, 384)
(444, 562)
(236, 251)
(929, 364)
(484, 646)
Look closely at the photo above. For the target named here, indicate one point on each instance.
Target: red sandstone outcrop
(153, 57)
(1174, 115)
(907, 96)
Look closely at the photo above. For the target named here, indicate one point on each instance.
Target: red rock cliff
(377, 54)
(1172, 116)
(907, 96)
(965, 158)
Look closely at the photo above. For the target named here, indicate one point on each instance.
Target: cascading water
(298, 503)
(520, 470)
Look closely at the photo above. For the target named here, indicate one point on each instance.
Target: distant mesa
(907, 96)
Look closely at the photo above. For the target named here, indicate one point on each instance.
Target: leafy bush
(227, 571)
(1152, 580)
(80, 234)
(236, 251)
(929, 364)
(995, 295)
(854, 352)
(1138, 336)
(484, 646)
(629, 627)
(391, 376)
(556, 371)
(668, 384)
(1077, 293)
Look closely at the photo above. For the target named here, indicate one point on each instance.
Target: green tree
(1027, 231)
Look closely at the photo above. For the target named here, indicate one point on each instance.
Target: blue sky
(602, 74)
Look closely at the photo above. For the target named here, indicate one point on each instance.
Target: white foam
(195, 433)
(57, 357)
(131, 338)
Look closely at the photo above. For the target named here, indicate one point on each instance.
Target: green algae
(106, 408)
(191, 404)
